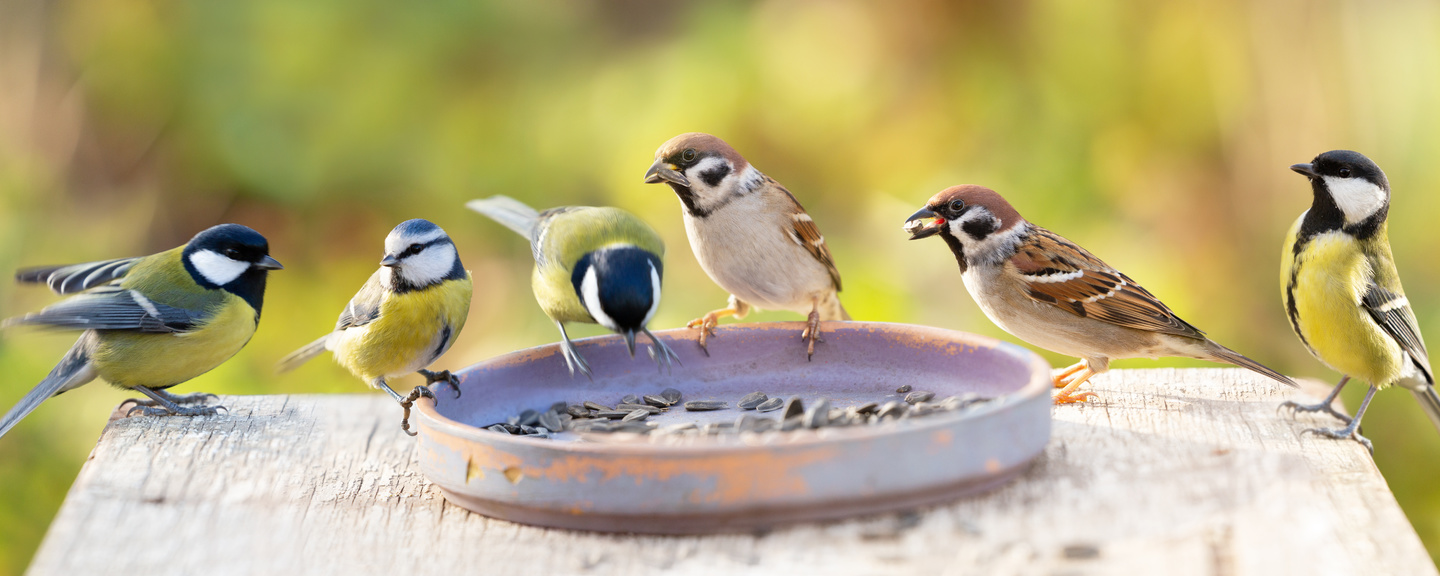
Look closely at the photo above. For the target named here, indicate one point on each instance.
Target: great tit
(595, 265)
(406, 315)
(152, 322)
(1342, 293)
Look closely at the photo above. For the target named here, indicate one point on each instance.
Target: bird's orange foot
(706, 324)
(1062, 398)
(811, 335)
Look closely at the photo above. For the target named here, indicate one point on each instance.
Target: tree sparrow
(750, 235)
(1049, 292)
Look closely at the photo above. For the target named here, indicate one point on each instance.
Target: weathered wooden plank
(1174, 471)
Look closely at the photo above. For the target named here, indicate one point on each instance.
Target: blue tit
(152, 322)
(405, 317)
(1342, 293)
(594, 265)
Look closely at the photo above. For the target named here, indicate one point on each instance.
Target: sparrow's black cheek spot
(1041, 296)
(713, 176)
(980, 228)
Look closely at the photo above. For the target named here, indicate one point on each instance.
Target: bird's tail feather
(512, 213)
(830, 309)
(303, 355)
(1430, 402)
(73, 370)
(1228, 356)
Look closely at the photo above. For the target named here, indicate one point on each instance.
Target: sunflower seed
(794, 408)
(632, 407)
(636, 415)
(630, 399)
(528, 418)
(633, 426)
(613, 414)
(918, 396)
(771, 405)
(558, 407)
(528, 429)
(671, 394)
(597, 426)
(903, 389)
(891, 408)
(705, 405)
(657, 401)
(753, 399)
(596, 406)
(550, 420)
(866, 408)
(790, 424)
(818, 414)
(577, 411)
(498, 428)
(678, 428)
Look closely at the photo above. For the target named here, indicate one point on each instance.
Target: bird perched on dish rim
(407, 315)
(152, 322)
(1342, 292)
(1049, 292)
(750, 235)
(596, 265)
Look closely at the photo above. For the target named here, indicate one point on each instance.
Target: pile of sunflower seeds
(631, 412)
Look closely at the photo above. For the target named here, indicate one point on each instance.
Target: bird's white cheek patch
(1356, 197)
(217, 269)
(430, 265)
(590, 297)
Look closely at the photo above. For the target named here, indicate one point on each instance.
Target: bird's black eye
(1344, 172)
(232, 253)
(688, 155)
(956, 206)
(412, 250)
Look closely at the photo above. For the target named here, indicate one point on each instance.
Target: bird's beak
(630, 341)
(662, 171)
(268, 263)
(389, 261)
(924, 223)
(1307, 169)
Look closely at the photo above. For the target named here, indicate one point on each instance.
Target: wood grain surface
(1171, 472)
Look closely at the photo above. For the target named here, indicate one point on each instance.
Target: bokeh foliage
(1155, 133)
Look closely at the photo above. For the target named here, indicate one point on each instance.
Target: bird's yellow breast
(132, 359)
(409, 334)
(1330, 276)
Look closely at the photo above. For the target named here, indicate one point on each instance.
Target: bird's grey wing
(73, 278)
(1392, 312)
(364, 308)
(114, 308)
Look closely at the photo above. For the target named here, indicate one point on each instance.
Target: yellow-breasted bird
(152, 322)
(1342, 293)
(406, 315)
(597, 265)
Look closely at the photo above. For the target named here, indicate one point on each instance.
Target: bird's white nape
(217, 269)
(429, 266)
(1358, 198)
(590, 297)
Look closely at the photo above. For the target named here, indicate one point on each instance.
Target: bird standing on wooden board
(153, 322)
(750, 235)
(406, 316)
(1049, 292)
(1342, 293)
(596, 265)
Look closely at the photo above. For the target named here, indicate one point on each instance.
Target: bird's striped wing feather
(73, 278)
(1392, 312)
(364, 308)
(113, 308)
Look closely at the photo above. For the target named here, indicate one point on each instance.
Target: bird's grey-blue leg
(573, 359)
(1353, 429)
(443, 377)
(664, 355)
(161, 404)
(196, 398)
(406, 402)
(1327, 405)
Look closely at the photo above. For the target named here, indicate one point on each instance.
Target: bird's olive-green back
(163, 278)
(568, 234)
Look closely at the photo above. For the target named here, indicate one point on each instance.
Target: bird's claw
(409, 402)
(1341, 434)
(707, 324)
(1074, 397)
(811, 335)
(152, 410)
(1296, 408)
(444, 377)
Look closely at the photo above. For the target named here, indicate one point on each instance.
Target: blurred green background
(1157, 134)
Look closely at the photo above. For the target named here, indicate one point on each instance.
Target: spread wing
(73, 278)
(114, 308)
(1062, 274)
(364, 308)
(1392, 312)
(807, 234)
